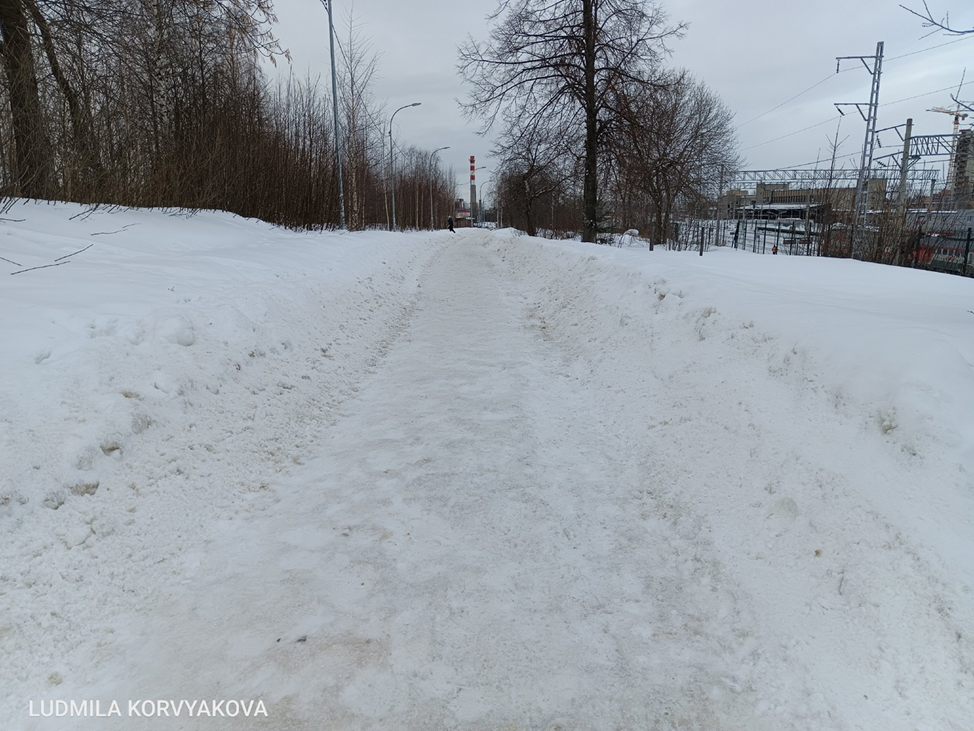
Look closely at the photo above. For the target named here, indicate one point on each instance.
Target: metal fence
(944, 252)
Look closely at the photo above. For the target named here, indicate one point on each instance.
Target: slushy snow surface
(478, 481)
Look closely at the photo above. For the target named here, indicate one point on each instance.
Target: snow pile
(810, 418)
(894, 341)
(152, 382)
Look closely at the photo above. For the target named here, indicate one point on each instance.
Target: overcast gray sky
(756, 55)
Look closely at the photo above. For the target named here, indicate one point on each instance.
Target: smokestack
(473, 189)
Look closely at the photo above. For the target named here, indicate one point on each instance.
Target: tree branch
(928, 21)
(46, 266)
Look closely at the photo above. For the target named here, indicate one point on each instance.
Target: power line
(929, 93)
(931, 48)
(817, 162)
(832, 119)
(853, 68)
(788, 101)
(792, 134)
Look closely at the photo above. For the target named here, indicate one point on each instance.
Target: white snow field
(476, 481)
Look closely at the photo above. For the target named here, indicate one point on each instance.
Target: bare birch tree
(361, 117)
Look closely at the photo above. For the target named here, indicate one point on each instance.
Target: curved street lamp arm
(392, 163)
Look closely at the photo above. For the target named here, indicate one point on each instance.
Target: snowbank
(152, 382)
(810, 418)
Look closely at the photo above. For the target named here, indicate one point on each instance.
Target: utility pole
(334, 101)
(865, 165)
(901, 202)
(905, 166)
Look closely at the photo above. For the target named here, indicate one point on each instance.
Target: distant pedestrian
(774, 249)
(449, 222)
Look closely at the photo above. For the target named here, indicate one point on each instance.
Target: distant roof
(781, 206)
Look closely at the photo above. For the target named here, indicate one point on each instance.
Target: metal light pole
(474, 206)
(334, 99)
(392, 161)
(480, 205)
(432, 225)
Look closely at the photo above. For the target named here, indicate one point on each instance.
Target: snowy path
(539, 512)
(470, 551)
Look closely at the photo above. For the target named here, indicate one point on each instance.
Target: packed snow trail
(470, 550)
(534, 514)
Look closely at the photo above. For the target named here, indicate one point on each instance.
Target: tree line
(162, 103)
(166, 103)
(594, 132)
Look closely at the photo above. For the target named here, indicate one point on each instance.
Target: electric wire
(931, 48)
(928, 93)
(787, 101)
(818, 162)
(792, 134)
(851, 68)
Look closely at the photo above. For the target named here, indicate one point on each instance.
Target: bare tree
(677, 144)
(34, 164)
(363, 141)
(555, 63)
(536, 165)
(167, 103)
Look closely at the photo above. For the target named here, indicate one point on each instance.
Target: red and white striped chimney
(473, 189)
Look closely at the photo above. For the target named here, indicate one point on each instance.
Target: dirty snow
(478, 481)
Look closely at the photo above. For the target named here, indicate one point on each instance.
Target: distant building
(964, 170)
(773, 201)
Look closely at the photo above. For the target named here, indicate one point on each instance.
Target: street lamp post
(480, 205)
(474, 207)
(392, 161)
(432, 225)
(334, 99)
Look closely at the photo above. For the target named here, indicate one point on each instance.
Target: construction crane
(958, 116)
